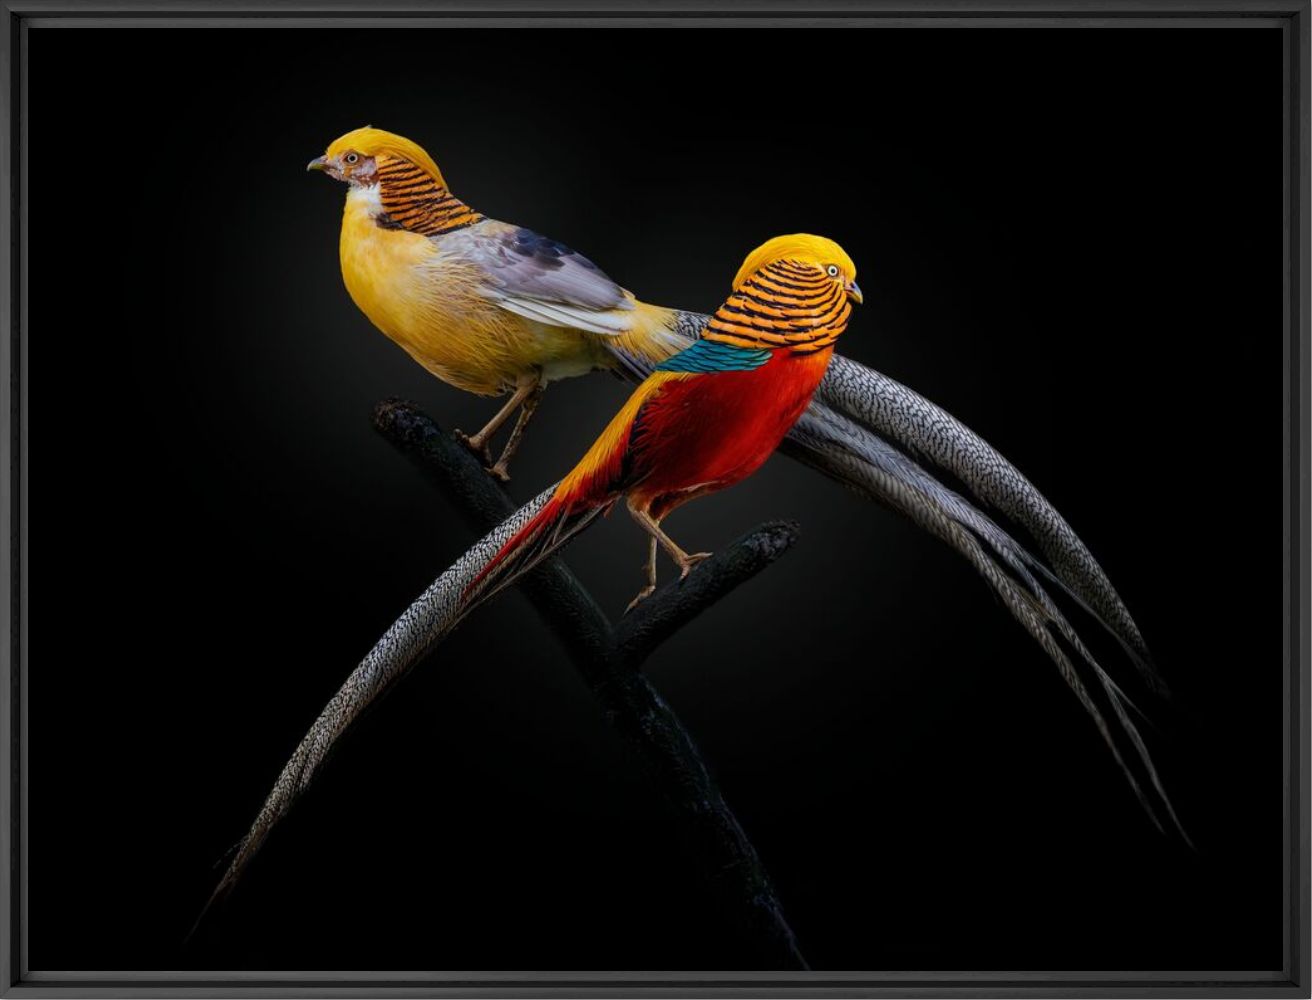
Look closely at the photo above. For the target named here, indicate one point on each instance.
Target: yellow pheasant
(486, 306)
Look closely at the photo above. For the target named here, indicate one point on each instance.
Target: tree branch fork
(609, 656)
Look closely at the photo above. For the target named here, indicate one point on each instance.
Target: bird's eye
(352, 157)
(832, 270)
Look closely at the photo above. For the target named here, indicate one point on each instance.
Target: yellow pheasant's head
(354, 157)
(806, 252)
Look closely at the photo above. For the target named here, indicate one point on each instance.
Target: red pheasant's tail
(590, 489)
(552, 526)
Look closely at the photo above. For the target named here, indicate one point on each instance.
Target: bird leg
(526, 411)
(682, 559)
(648, 590)
(477, 443)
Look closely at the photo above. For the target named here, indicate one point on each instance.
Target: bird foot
(643, 594)
(477, 447)
(685, 567)
(499, 472)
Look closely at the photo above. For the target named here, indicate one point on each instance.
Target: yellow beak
(854, 292)
(318, 163)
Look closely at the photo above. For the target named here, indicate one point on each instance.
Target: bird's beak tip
(318, 163)
(854, 292)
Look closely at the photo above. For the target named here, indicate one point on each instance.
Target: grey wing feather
(542, 279)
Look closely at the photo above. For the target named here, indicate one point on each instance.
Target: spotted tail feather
(862, 461)
(896, 412)
(434, 614)
(512, 549)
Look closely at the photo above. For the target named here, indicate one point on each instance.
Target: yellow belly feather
(428, 302)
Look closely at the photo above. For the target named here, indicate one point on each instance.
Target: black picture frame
(22, 16)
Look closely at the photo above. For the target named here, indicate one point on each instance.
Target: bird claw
(499, 472)
(643, 594)
(686, 566)
(478, 449)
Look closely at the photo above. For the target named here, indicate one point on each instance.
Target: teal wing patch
(711, 356)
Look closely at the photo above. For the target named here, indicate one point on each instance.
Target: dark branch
(608, 659)
(556, 593)
(677, 603)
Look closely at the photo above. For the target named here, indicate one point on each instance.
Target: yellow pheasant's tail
(589, 490)
(656, 333)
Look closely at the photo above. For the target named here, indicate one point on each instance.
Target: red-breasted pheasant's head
(815, 254)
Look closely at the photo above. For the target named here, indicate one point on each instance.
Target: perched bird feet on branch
(649, 567)
(643, 594)
(477, 445)
(528, 394)
(689, 561)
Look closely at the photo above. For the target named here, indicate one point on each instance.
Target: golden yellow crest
(799, 246)
(375, 142)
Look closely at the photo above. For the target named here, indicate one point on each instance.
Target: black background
(1070, 239)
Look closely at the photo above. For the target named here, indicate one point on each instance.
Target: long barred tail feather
(436, 611)
(842, 449)
(514, 548)
(902, 415)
